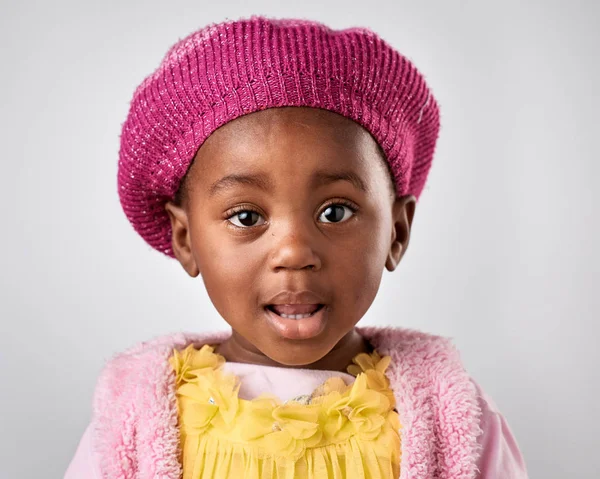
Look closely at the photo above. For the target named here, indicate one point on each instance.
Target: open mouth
(312, 310)
(299, 321)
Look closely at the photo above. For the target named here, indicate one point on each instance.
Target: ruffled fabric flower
(362, 411)
(207, 396)
(374, 367)
(284, 429)
(364, 362)
(333, 384)
(191, 362)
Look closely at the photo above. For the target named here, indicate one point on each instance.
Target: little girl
(281, 161)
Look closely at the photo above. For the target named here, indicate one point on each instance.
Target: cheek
(360, 266)
(228, 269)
(373, 240)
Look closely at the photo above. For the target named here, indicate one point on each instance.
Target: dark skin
(332, 238)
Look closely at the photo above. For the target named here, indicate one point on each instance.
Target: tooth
(295, 316)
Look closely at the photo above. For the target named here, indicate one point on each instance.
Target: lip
(305, 328)
(296, 297)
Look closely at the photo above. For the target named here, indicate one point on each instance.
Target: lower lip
(304, 328)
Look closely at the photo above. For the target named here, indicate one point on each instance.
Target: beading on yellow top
(349, 431)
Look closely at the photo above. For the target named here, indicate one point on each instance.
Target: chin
(298, 355)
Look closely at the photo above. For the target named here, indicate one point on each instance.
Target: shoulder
(146, 362)
(125, 372)
(427, 365)
(134, 400)
(436, 400)
(148, 354)
(436, 393)
(430, 367)
(413, 346)
(500, 456)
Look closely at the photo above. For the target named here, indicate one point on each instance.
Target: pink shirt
(500, 458)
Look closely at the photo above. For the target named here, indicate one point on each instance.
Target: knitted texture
(136, 433)
(234, 68)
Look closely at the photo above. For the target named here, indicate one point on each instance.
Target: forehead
(292, 142)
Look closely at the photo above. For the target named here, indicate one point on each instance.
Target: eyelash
(239, 209)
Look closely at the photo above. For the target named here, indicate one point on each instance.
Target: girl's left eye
(335, 213)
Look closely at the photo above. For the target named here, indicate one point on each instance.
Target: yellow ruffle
(349, 431)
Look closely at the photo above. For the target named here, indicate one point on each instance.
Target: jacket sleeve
(500, 455)
(84, 464)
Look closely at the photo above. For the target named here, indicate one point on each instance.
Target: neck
(239, 350)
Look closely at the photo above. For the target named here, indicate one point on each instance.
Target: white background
(503, 256)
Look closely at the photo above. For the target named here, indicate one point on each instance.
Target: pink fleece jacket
(450, 429)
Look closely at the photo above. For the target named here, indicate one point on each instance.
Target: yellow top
(341, 431)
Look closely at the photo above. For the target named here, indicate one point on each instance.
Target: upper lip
(296, 297)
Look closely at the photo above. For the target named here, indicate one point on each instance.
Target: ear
(403, 211)
(180, 239)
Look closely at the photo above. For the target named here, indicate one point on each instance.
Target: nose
(293, 248)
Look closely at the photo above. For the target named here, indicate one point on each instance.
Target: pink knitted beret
(230, 69)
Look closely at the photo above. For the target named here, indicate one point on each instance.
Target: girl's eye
(335, 213)
(245, 218)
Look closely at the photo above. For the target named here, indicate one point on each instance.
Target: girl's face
(290, 211)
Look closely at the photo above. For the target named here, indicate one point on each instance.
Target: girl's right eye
(245, 218)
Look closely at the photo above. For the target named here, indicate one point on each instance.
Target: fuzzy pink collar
(135, 411)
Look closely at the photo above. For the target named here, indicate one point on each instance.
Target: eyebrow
(263, 182)
(324, 177)
(258, 180)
